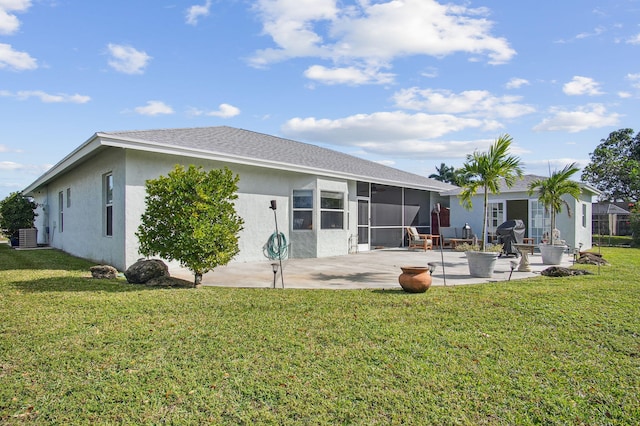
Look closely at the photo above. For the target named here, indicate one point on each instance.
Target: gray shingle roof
(607, 208)
(249, 145)
(521, 185)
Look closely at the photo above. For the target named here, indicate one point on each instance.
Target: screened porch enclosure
(391, 208)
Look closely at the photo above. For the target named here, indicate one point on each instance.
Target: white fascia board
(76, 156)
(141, 145)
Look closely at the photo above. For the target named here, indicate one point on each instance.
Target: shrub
(16, 212)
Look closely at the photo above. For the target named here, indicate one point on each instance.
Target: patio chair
(417, 240)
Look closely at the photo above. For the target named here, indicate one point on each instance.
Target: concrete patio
(377, 269)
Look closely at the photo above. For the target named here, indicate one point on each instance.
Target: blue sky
(407, 83)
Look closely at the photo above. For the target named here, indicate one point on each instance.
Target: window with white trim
(331, 210)
(108, 204)
(584, 215)
(302, 209)
(495, 215)
(60, 211)
(68, 197)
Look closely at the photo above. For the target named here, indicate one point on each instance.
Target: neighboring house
(328, 203)
(516, 203)
(611, 219)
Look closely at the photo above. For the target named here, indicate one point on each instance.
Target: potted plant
(485, 171)
(481, 262)
(550, 192)
(16, 212)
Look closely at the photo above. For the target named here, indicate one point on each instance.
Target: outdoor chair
(417, 240)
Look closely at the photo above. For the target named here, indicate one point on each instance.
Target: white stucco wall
(84, 230)
(256, 187)
(84, 227)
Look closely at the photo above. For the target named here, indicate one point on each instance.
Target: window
(68, 197)
(331, 210)
(584, 215)
(495, 216)
(61, 211)
(539, 221)
(108, 203)
(303, 209)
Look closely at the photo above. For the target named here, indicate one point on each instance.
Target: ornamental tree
(615, 166)
(485, 170)
(190, 217)
(551, 190)
(16, 212)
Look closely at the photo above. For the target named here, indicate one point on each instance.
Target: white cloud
(586, 117)
(546, 167)
(195, 12)
(154, 108)
(12, 59)
(634, 40)
(596, 32)
(9, 22)
(347, 75)
(398, 131)
(30, 169)
(126, 59)
(223, 111)
(370, 35)
(470, 102)
(10, 165)
(624, 95)
(47, 97)
(516, 83)
(582, 86)
(634, 79)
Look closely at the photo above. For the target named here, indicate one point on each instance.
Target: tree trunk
(553, 225)
(197, 282)
(483, 244)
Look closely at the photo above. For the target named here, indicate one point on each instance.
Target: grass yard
(542, 351)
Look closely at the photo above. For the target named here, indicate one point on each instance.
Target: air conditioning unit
(28, 238)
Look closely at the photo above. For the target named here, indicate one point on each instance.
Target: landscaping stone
(560, 271)
(587, 258)
(107, 272)
(145, 270)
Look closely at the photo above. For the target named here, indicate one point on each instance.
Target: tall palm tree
(550, 191)
(445, 173)
(485, 170)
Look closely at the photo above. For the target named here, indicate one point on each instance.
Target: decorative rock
(104, 272)
(587, 258)
(145, 270)
(559, 271)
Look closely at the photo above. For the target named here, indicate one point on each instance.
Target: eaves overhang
(100, 140)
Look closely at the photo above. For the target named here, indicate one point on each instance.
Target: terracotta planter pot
(481, 263)
(415, 279)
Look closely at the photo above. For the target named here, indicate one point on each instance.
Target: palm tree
(445, 173)
(550, 191)
(486, 170)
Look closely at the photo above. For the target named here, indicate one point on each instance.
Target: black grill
(509, 233)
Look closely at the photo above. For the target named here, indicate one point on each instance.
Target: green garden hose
(276, 247)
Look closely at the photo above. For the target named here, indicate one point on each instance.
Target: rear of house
(328, 203)
(515, 203)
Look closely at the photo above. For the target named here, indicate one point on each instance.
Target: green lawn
(543, 351)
